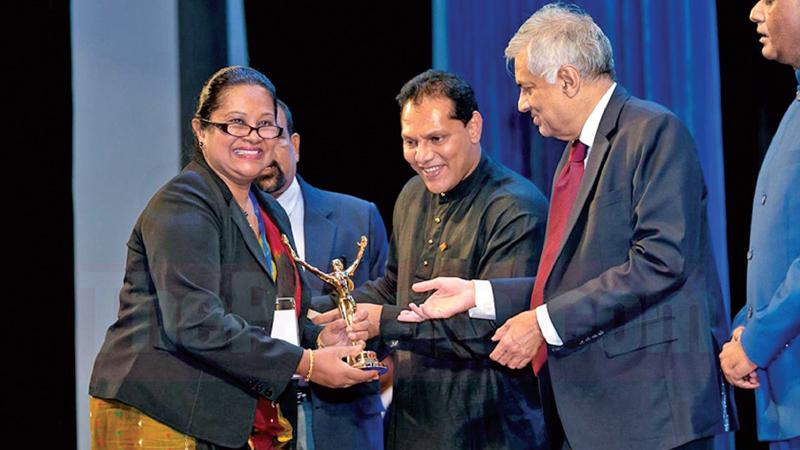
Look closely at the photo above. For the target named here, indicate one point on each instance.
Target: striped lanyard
(262, 239)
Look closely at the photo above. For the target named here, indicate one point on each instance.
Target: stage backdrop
(664, 51)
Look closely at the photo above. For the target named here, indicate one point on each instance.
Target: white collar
(291, 197)
(593, 121)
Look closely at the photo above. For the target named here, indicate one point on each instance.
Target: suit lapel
(320, 231)
(233, 210)
(249, 237)
(597, 157)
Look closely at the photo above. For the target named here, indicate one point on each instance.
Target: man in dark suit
(626, 309)
(328, 225)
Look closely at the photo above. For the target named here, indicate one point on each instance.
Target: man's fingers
(497, 352)
(514, 352)
(751, 381)
(504, 359)
(519, 362)
(326, 317)
(424, 286)
(502, 353)
(735, 382)
(359, 325)
(360, 315)
(333, 332)
(752, 384)
(410, 317)
(744, 383)
(419, 311)
(336, 326)
(358, 336)
(434, 312)
(500, 332)
(736, 376)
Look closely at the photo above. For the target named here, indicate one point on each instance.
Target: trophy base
(367, 360)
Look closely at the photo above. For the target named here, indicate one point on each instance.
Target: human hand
(326, 317)
(410, 316)
(519, 339)
(338, 332)
(373, 318)
(331, 371)
(749, 381)
(736, 366)
(452, 296)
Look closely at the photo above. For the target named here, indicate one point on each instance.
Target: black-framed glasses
(243, 130)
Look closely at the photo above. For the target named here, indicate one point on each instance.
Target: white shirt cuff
(484, 301)
(546, 325)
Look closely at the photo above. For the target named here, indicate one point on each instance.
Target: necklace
(247, 218)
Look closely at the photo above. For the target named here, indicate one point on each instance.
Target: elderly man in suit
(626, 313)
(328, 225)
(764, 353)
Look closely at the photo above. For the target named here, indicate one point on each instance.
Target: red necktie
(564, 193)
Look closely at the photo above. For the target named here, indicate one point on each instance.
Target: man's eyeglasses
(243, 130)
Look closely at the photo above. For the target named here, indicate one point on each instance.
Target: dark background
(38, 370)
(338, 66)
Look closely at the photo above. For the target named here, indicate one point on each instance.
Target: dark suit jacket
(634, 292)
(191, 345)
(333, 224)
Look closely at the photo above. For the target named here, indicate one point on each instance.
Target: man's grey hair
(559, 34)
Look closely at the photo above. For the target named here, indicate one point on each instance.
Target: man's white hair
(559, 34)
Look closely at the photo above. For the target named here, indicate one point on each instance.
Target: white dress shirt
(292, 202)
(484, 297)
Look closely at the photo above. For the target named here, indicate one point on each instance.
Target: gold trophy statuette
(340, 280)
